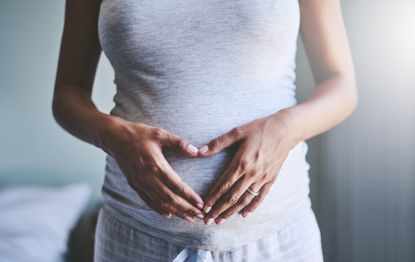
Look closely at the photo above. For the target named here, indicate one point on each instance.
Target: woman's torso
(199, 69)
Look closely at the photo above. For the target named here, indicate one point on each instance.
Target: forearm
(333, 100)
(74, 111)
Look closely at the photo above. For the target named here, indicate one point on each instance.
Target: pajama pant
(118, 242)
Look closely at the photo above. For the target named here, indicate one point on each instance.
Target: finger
(151, 204)
(176, 183)
(218, 144)
(161, 206)
(157, 191)
(229, 199)
(243, 201)
(176, 142)
(175, 203)
(224, 183)
(257, 200)
(148, 196)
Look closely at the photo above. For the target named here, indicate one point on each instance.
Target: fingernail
(201, 216)
(245, 214)
(209, 221)
(188, 219)
(199, 205)
(220, 221)
(203, 149)
(192, 148)
(167, 216)
(207, 209)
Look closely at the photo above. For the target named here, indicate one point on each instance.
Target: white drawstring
(194, 255)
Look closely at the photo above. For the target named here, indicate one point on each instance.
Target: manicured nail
(220, 221)
(201, 216)
(207, 209)
(209, 221)
(192, 148)
(199, 205)
(245, 214)
(203, 149)
(189, 219)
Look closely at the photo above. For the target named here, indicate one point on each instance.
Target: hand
(264, 145)
(137, 148)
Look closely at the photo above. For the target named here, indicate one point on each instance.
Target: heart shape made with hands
(252, 170)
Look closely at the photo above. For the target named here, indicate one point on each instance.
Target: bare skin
(333, 100)
(137, 147)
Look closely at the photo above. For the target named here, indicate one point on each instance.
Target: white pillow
(35, 222)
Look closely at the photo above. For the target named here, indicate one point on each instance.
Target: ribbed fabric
(198, 69)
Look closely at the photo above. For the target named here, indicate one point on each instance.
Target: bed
(47, 223)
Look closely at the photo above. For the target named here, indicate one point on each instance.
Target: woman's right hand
(137, 148)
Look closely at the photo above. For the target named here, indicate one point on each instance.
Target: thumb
(221, 142)
(178, 143)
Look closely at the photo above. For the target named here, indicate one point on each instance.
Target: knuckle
(181, 143)
(179, 189)
(237, 131)
(233, 199)
(243, 164)
(245, 201)
(214, 214)
(252, 174)
(153, 168)
(158, 133)
(224, 189)
(215, 143)
(171, 200)
(226, 215)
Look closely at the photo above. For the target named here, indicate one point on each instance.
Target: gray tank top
(198, 69)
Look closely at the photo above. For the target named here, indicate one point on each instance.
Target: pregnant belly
(198, 127)
(285, 201)
(201, 172)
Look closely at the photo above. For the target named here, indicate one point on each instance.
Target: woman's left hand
(264, 145)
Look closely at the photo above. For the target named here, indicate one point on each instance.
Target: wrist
(106, 127)
(288, 119)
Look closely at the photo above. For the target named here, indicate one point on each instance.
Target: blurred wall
(33, 148)
(362, 171)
